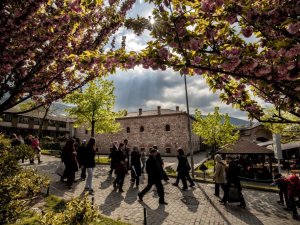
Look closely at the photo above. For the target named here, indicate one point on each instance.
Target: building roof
(153, 113)
(245, 147)
(291, 145)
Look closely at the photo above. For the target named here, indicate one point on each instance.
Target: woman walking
(136, 166)
(89, 163)
(121, 167)
(70, 161)
(219, 175)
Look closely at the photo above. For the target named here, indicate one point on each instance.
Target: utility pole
(191, 150)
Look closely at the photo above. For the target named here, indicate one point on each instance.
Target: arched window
(141, 129)
(167, 127)
(128, 129)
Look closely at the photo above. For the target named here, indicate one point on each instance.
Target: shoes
(242, 206)
(163, 203)
(184, 188)
(121, 190)
(192, 185)
(287, 209)
(280, 202)
(222, 202)
(140, 197)
(175, 184)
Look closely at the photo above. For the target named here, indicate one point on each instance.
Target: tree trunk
(43, 120)
(93, 129)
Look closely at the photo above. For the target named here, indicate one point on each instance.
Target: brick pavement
(195, 206)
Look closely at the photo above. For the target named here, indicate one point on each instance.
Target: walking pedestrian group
(122, 160)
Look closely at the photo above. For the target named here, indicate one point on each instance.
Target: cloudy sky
(147, 89)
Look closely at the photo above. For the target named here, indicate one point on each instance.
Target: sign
(277, 146)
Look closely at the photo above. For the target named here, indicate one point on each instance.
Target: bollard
(145, 216)
(93, 202)
(48, 190)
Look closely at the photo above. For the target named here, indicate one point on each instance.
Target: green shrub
(18, 187)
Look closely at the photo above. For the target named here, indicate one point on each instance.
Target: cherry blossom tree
(242, 48)
(38, 39)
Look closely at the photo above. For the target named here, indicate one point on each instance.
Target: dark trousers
(239, 187)
(70, 175)
(159, 188)
(217, 188)
(183, 178)
(284, 193)
(120, 180)
(292, 205)
(83, 173)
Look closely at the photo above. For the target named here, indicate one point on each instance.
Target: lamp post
(189, 126)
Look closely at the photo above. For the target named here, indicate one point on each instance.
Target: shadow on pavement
(111, 203)
(131, 194)
(248, 217)
(155, 216)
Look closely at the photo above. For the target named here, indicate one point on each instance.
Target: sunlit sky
(147, 89)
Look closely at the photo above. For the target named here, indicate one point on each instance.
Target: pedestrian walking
(219, 175)
(89, 163)
(70, 161)
(161, 164)
(183, 170)
(81, 152)
(143, 159)
(282, 184)
(35, 143)
(127, 152)
(155, 175)
(294, 193)
(28, 141)
(136, 166)
(112, 157)
(233, 179)
(121, 167)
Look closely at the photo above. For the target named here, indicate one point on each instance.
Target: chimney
(177, 108)
(140, 111)
(158, 110)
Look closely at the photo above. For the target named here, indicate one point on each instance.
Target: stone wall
(154, 133)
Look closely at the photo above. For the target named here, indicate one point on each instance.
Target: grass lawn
(102, 160)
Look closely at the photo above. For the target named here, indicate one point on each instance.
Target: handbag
(233, 194)
(60, 169)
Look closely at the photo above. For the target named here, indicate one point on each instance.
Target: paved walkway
(195, 206)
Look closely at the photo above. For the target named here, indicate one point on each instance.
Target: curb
(246, 186)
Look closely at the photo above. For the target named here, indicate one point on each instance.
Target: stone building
(168, 129)
(256, 133)
(29, 123)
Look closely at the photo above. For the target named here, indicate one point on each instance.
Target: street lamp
(189, 126)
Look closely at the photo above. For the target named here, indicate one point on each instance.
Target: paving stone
(192, 207)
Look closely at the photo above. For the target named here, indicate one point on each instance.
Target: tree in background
(289, 132)
(215, 129)
(38, 38)
(93, 107)
(236, 45)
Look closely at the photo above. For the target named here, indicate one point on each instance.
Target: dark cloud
(141, 88)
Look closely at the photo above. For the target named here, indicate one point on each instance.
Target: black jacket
(183, 164)
(153, 169)
(89, 158)
(136, 162)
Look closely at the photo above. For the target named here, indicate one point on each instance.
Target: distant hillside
(236, 121)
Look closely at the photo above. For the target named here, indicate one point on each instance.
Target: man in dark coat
(121, 168)
(183, 169)
(161, 164)
(155, 174)
(112, 157)
(232, 177)
(136, 169)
